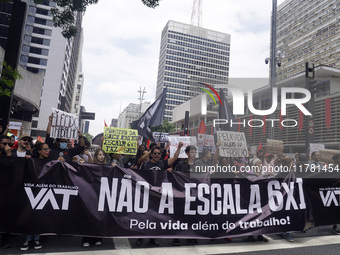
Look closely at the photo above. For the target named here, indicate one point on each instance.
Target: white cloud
(122, 41)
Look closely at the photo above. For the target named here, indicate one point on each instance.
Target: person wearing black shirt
(59, 150)
(155, 163)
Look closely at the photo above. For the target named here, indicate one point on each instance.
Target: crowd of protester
(156, 158)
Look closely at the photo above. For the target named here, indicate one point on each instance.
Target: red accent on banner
(239, 125)
(105, 123)
(300, 120)
(148, 143)
(260, 146)
(264, 125)
(328, 112)
(250, 127)
(281, 119)
(202, 129)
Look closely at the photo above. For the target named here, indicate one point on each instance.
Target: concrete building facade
(188, 56)
(307, 30)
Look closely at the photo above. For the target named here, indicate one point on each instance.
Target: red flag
(250, 127)
(202, 128)
(260, 146)
(148, 144)
(328, 112)
(105, 123)
(300, 120)
(280, 123)
(264, 125)
(239, 125)
(39, 138)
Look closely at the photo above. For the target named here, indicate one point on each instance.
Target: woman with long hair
(98, 158)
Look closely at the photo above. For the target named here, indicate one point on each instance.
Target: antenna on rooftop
(196, 15)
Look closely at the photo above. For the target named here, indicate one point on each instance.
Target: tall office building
(59, 57)
(190, 55)
(43, 50)
(308, 31)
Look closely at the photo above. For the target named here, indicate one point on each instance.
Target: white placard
(205, 141)
(186, 140)
(232, 144)
(160, 137)
(64, 125)
(15, 125)
(315, 147)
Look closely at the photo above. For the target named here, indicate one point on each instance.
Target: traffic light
(309, 70)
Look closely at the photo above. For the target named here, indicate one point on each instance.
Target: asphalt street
(319, 240)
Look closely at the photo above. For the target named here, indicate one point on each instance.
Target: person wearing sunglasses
(23, 143)
(155, 162)
(5, 145)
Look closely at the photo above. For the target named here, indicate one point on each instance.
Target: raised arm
(175, 157)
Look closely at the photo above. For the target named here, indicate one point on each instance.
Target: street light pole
(273, 62)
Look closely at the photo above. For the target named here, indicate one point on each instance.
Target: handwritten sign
(186, 140)
(274, 146)
(15, 125)
(64, 125)
(205, 141)
(120, 140)
(232, 144)
(160, 137)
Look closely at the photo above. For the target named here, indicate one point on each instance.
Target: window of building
(34, 124)
(42, 11)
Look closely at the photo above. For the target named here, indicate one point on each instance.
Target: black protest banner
(53, 197)
(322, 192)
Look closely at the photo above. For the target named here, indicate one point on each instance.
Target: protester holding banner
(21, 151)
(85, 156)
(41, 151)
(59, 150)
(5, 145)
(98, 158)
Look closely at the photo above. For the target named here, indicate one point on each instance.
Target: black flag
(153, 116)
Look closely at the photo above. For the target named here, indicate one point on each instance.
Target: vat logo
(46, 195)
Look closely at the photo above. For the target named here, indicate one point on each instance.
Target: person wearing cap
(59, 150)
(23, 143)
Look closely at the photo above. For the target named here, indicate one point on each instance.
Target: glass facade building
(190, 55)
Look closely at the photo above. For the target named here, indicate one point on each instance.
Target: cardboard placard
(120, 140)
(232, 144)
(274, 146)
(326, 155)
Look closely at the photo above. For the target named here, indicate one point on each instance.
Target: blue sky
(122, 41)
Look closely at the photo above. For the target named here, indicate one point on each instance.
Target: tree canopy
(167, 127)
(65, 17)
